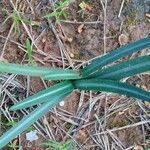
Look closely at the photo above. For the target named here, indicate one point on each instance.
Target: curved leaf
(44, 96)
(115, 55)
(125, 69)
(112, 86)
(28, 120)
(45, 72)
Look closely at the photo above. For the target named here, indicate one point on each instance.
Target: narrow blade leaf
(125, 69)
(46, 73)
(29, 51)
(115, 55)
(46, 95)
(53, 14)
(112, 86)
(62, 75)
(28, 120)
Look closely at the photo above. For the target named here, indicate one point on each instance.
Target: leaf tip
(13, 108)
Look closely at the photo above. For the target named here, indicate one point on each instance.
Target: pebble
(62, 103)
(32, 136)
(123, 39)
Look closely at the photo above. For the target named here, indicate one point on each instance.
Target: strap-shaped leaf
(51, 73)
(46, 95)
(125, 69)
(115, 55)
(112, 86)
(28, 120)
(62, 75)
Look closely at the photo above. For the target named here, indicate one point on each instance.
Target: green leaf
(68, 145)
(52, 144)
(30, 51)
(61, 74)
(46, 95)
(46, 73)
(112, 86)
(115, 55)
(125, 69)
(28, 120)
(53, 14)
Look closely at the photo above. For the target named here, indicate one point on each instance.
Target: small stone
(70, 40)
(71, 55)
(62, 103)
(123, 39)
(32, 136)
